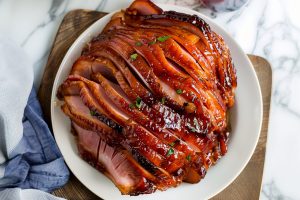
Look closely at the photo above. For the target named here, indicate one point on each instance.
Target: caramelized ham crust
(148, 99)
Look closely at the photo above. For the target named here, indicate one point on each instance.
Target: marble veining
(271, 191)
(263, 27)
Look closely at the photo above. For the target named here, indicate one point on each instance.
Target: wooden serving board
(248, 183)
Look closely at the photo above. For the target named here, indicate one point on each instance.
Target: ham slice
(116, 163)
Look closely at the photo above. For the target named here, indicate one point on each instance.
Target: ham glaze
(148, 99)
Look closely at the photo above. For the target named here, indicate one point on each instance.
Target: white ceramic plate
(246, 121)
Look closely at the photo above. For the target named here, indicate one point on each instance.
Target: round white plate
(246, 121)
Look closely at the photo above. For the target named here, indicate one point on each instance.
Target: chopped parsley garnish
(188, 157)
(193, 129)
(131, 106)
(138, 102)
(170, 151)
(163, 38)
(172, 144)
(152, 42)
(163, 100)
(134, 56)
(93, 113)
(179, 91)
(138, 44)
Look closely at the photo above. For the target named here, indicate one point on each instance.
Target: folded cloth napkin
(29, 156)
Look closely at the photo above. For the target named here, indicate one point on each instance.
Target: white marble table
(267, 28)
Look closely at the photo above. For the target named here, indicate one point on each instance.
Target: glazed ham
(148, 99)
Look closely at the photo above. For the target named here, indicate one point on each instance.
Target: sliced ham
(116, 163)
(148, 99)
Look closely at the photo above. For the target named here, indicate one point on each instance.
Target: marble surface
(267, 28)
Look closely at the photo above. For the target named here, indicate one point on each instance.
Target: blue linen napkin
(29, 156)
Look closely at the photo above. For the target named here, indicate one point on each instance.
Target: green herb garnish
(163, 100)
(138, 44)
(93, 113)
(163, 38)
(170, 152)
(131, 106)
(188, 157)
(179, 91)
(193, 129)
(152, 42)
(138, 102)
(134, 56)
